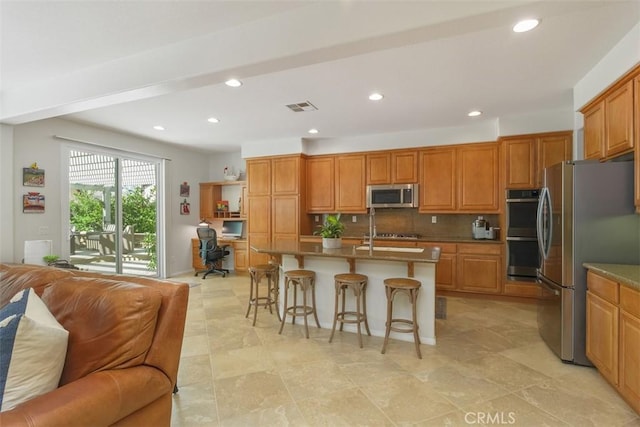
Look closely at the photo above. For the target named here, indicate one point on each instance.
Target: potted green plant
(331, 231)
(50, 259)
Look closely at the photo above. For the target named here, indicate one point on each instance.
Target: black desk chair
(210, 252)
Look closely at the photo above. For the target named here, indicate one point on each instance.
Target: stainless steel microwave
(392, 196)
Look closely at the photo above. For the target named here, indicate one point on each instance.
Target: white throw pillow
(33, 349)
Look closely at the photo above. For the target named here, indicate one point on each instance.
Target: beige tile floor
(489, 367)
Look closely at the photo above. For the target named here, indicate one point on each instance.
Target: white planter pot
(332, 243)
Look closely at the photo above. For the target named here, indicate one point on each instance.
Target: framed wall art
(33, 203)
(184, 189)
(32, 177)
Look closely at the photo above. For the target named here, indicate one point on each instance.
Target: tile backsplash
(410, 221)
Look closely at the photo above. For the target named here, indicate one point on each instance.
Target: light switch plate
(434, 219)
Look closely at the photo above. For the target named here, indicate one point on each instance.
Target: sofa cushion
(111, 324)
(33, 347)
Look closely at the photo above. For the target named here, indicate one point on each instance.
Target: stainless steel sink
(390, 249)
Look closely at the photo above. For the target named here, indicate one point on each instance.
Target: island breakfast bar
(378, 264)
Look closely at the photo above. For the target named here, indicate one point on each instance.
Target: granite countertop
(628, 275)
(379, 241)
(349, 251)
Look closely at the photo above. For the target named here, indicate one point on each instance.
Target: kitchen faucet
(372, 228)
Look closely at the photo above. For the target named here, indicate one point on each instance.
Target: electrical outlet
(317, 218)
(43, 230)
(354, 218)
(434, 219)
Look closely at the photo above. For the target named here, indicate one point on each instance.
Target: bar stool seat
(306, 280)
(392, 287)
(358, 284)
(257, 273)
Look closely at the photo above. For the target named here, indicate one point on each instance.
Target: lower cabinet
(480, 268)
(613, 334)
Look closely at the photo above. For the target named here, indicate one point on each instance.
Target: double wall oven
(523, 255)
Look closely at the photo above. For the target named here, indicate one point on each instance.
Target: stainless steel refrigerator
(585, 214)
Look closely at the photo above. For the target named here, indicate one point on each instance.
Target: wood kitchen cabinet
(350, 183)
(610, 129)
(613, 334)
(480, 268)
(527, 156)
(629, 352)
(462, 178)
(446, 266)
(392, 167)
(258, 177)
(478, 177)
(594, 131)
(636, 111)
(437, 180)
(320, 179)
(618, 115)
(210, 192)
(602, 336)
(275, 204)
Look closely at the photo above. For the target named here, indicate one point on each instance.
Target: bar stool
(306, 280)
(358, 284)
(410, 287)
(257, 273)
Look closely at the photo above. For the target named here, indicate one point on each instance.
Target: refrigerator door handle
(551, 287)
(542, 244)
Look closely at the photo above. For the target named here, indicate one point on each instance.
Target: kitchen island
(378, 264)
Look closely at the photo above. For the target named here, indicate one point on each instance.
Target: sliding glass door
(113, 212)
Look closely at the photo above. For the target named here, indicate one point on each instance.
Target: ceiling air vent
(302, 106)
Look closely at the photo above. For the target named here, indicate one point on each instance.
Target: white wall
(35, 142)
(6, 193)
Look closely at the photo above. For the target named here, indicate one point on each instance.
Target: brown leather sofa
(125, 338)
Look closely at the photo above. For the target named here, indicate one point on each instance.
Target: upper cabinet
(320, 184)
(618, 115)
(478, 177)
(462, 178)
(438, 179)
(594, 131)
(392, 167)
(350, 183)
(286, 172)
(527, 156)
(612, 123)
(636, 112)
(259, 177)
(609, 119)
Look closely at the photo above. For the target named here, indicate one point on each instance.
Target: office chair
(210, 252)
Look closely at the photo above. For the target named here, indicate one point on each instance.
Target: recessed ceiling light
(474, 113)
(233, 83)
(158, 127)
(525, 25)
(376, 96)
(313, 130)
(213, 120)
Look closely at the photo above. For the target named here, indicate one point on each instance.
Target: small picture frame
(33, 203)
(184, 190)
(32, 177)
(185, 208)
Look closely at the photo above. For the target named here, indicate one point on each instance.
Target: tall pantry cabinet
(276, 195)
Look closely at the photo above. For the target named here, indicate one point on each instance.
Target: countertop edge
(346, 252)
(626, 274)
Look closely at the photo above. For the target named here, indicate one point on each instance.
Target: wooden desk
(240, 256)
